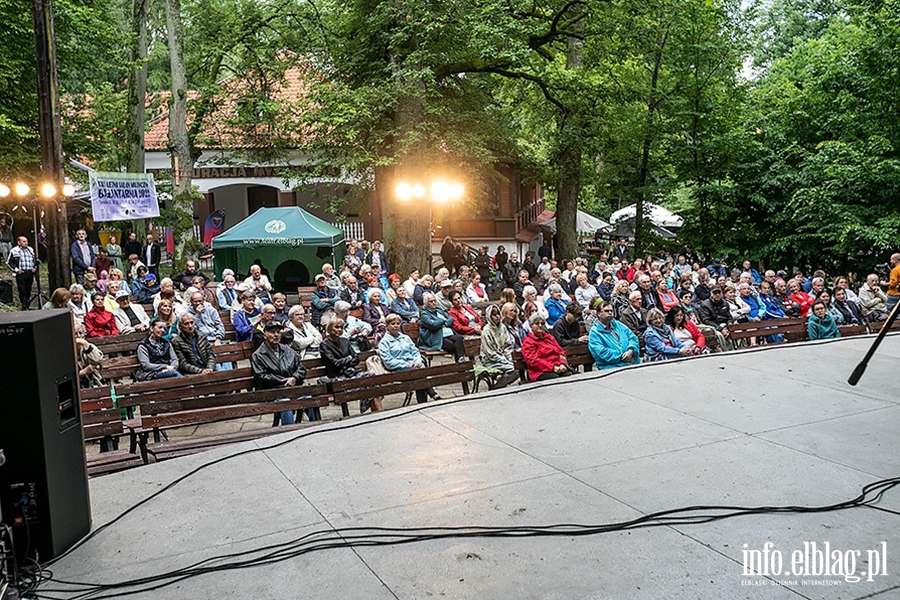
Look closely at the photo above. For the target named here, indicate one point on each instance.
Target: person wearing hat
(716, 313)
(443, 297)
(323, 300)
(89, 281)
(717, 268)
(146, 286)
(276, 365)
(130, 317)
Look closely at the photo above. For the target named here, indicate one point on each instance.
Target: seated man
(873, 300)
(258, 283)
(398, 352)
(567, 330)
(186, 278)
(611, 343)
(207, 320)
(276, 365)
(324, 298)
(195, 355)
(634, 316)
(259, 330)
(130, 317)
(716, 313)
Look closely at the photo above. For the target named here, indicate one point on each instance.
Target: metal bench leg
(345, 411)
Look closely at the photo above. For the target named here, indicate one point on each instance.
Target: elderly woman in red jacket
(543, 356)
(98, 321)
(465, 319)
(799, 297)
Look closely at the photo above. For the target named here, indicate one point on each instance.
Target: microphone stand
(885, 327)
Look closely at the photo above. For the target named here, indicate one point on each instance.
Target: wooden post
(52, 166)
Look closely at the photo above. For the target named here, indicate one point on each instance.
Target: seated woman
(109, 300)
(475, 291)
(497, 345)
(341, 361)
(850, 312)
(58, 299)
(619, 298)
(375, 312)
(89, 357)
(118, 275)
(398, 352)
(165, 312)
(605, 287)
(738, 308)
(356, 330)
(245, 320)
(685, 331)
(584, 293)
(666, 296)
(394, 283)
(824, 296)
(77, 303)
(659, 340)
(797, 296)
(509, 313)
(774, 308)
(544, 357)
(435, 331)
(465, 318)
(156, 357)
(99, 322)
(304, 337)
(529, 294)
(507, 295)
(555, 305)
(820, 325)
(405, 307)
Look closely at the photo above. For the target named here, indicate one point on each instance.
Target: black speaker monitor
(43, 482)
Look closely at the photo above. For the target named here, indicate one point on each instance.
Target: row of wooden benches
(142, 410)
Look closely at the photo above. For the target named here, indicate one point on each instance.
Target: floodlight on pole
(404, 191)
(4, 190)
(68, 190)
(48, 190)
(22, 189)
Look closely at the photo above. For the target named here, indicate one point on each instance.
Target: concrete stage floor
(776, 426)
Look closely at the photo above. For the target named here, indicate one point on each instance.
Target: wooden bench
(397, 382)
(577, 356)
(116, 369)
(102, 421)
(793, 330)
(199, 410)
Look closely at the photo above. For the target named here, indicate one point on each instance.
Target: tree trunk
(644, 167)
(179, 143)
(570, 155)
(53, 170)
(137, 89)
(407, 223)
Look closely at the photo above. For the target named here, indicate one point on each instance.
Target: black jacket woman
(341, 361)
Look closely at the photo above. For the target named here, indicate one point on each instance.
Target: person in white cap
(129, 317)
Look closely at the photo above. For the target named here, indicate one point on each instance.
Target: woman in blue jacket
(659, 341)
(434, 329)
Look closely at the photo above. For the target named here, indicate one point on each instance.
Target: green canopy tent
(291, 243)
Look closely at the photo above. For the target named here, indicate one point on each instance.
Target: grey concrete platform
(775, 426)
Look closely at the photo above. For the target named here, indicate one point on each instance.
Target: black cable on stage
(42, 572)
(353, 537)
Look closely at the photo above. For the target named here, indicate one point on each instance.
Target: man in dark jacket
(323, 299)
(511, 270)
(276, 365)
(151, 255)
(567, 330)
(715, 312)
(195, 355)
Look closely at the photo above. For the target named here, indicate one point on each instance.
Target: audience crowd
(624, 309)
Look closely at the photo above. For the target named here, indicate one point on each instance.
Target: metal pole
(53, 167)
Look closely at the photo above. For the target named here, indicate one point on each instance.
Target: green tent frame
(290, 242)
